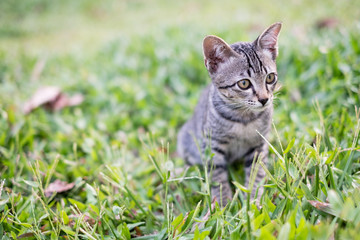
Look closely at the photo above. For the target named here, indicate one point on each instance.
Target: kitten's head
(244, 73)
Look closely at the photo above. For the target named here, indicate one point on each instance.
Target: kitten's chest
(246, 137)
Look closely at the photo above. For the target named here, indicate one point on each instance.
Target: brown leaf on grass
(325, 207)
(86, 218)
(327, 23)
(51, 98)
(25, 235)
(58, 187)
(138, 232)
(319, 205)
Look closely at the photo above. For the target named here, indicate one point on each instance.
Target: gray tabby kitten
(236, 105)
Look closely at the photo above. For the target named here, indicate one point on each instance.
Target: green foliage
(117, 146)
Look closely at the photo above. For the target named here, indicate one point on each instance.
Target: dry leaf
(52, 98)
(138, 232)
(25, 235)
(319, 205)
(42, 96)
(58, 187)
(327, 23)
(86, 218)
(325, 207)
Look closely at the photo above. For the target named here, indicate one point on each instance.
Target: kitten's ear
(216, 52)
(268, 40)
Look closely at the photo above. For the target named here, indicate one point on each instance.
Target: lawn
(139, 67)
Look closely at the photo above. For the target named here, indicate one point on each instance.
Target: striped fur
(230, 116)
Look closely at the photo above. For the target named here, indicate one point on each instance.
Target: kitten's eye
(244, 84)
(270, 78)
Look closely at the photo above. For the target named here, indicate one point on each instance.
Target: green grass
(140, 68)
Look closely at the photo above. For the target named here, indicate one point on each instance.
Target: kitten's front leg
(258, 153)
(220, 186)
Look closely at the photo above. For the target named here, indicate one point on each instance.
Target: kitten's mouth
(249, 106)
(259, 108)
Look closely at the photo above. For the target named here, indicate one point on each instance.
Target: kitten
(231, 110)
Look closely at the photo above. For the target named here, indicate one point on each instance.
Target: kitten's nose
(263, 101)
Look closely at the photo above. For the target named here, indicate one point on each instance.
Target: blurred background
(43, 26)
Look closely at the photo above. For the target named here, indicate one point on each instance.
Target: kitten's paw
(222, 195)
